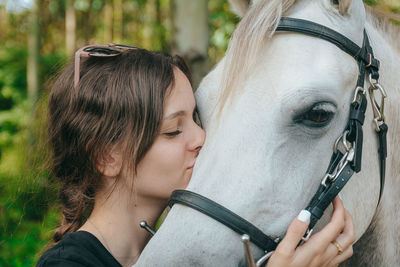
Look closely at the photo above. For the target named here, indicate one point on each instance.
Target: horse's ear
(239, 7)
(342, 5)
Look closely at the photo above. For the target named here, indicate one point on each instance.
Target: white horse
(264, 156)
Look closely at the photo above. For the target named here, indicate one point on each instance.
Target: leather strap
(224, 216)
(320, 31)
(382, 150)
(325, 195)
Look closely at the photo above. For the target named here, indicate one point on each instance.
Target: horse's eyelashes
(318, 116)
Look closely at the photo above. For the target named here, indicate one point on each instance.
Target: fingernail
(340, 196)
(304, 216)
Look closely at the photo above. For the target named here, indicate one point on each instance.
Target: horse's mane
(259, 22)
(380, 20)
(391, 33)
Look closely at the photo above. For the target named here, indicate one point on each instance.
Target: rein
(347, 150)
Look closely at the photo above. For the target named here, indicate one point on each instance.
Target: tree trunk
(3, 22)
(88, 27)
(190, 35)
(70, 28)
(118, 20)
(108, 23)
(149, 32)
(33, 56)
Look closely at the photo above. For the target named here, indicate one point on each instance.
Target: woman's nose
(198, 138)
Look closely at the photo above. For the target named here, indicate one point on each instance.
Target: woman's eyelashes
(182, 122)
(174, 133)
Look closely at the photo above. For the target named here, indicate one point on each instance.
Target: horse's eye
(318, 116)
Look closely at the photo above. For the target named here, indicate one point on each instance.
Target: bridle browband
(347, 151)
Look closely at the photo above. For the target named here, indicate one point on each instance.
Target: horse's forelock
(259, 23)
(344, 6)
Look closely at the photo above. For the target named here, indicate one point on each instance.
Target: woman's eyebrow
(179, 113)
(175, 114)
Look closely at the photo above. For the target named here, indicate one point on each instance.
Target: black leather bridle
(347, 152)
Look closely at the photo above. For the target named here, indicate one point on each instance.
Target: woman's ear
(239, 7)
(110, 163)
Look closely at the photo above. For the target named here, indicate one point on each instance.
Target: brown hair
(119, 100)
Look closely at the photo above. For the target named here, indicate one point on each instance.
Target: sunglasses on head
(110, 50)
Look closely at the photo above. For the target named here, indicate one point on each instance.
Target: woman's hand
(323, 248)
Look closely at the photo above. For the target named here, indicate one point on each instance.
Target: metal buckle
(378, 110)
(307, 235)
(347, 145)
(348, 156)
(355, 98)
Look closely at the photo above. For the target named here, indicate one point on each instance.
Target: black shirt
(78, 249)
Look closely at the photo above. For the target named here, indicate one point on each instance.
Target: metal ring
(358, 89)
(264, 258)
(370, 79)
(338, 246)
(344, 140)
(308, 235)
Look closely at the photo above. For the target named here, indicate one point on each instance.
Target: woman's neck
(115, 222)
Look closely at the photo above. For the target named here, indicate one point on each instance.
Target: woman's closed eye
(172, 134)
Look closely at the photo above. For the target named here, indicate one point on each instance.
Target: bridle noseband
(347, 151)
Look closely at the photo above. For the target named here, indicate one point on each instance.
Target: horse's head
(272, 110)
(282, 112)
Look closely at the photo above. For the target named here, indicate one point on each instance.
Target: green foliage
(27, 212)
(12, 94)
(24, 221)
(371, 2)
(222, 25)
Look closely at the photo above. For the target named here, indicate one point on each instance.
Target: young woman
(124, 135)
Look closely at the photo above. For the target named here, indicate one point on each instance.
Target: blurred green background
(37, 37)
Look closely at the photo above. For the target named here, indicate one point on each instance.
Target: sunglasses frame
(109, 50)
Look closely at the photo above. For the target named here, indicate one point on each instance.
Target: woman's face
(168, 164)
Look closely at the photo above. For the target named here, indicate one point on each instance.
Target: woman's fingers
(295, 232)
(342, 257)
(336, 225)
(347, 237)
(285, 251)
(323, 248)
(345, 241)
